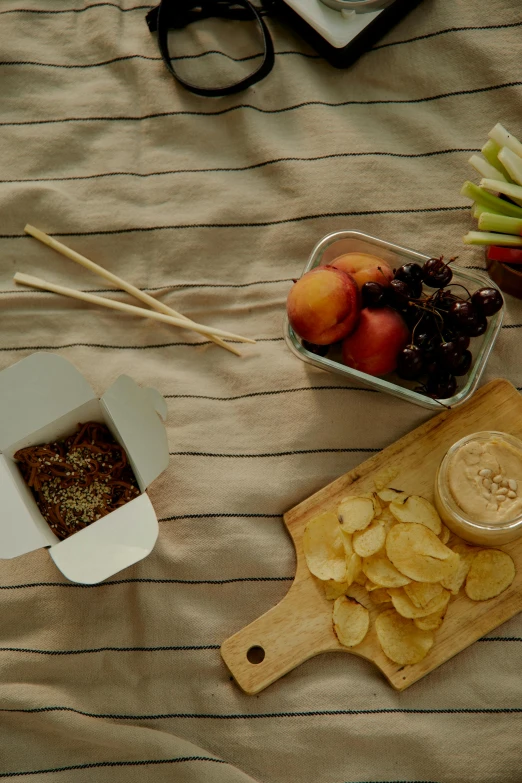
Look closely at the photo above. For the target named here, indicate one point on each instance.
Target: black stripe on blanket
(231, 169)
(293, 107)
(263, 715)
(99, 764)
(257, 224)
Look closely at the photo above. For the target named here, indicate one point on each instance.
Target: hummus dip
(484, 477)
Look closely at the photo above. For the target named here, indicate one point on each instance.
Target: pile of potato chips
(395, 547)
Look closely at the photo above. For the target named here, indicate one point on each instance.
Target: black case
(345, 56)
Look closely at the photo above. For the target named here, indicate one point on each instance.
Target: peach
(323, 305)
(374, 346)
(364, 268)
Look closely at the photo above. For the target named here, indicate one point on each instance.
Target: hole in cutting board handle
(255, 654)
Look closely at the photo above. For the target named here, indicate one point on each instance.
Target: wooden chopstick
(36, 282)
(118, 281)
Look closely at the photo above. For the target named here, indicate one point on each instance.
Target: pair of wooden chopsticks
(160, 311)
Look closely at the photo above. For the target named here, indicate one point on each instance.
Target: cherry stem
(448, 407)
(422, 389)
(461, 286)
(413, 330)
(431, 310)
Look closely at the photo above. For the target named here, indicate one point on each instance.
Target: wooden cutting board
(300, 626)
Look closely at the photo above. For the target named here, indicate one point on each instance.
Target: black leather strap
(179, 13)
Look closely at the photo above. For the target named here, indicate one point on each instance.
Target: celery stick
(477, 210)
(505, 139)
(486, 169)
(490, 238)
(512, 163)
(501, 223)
(497, 186)
(493, 203)
(506, 188)
(490, 151)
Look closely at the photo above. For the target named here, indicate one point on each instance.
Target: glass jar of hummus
(478, 488)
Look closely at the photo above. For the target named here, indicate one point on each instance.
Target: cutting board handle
(279, 640)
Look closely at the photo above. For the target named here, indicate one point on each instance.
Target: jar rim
(449, 502)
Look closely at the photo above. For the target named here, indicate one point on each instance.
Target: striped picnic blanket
(214, 205)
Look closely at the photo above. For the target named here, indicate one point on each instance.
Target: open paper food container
(43, 398)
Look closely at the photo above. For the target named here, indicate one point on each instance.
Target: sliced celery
(486, 169)
(501, 223)
(506, 188)
(512, 163)
(505, 139)
(490, 238)
(477, 210)
(493, 203)
(490, 151)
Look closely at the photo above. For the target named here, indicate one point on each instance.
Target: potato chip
(417, 553)
(432, 621)
(382, 572)
(350, 620)
(461, 548)
(348, 543)
(355, 513)
(491, 572)
(333, 590)
(400, 638)
(388, 494)
(407, 608)
(324, 548)
(369, 586)
(377, 507)
(444, 534)
(360, 579)
(418, 510)
(385, 478)
(380, 596)
(361, 596)
(421, 593)
(454, 581)
(368, 542)
(387, 519)
(386, 516)
(353, 567)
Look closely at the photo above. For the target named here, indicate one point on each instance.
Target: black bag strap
(179, 13)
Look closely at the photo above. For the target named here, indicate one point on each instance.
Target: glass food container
(340, 242)
(468, 474)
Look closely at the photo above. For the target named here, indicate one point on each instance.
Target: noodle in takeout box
(44, 399)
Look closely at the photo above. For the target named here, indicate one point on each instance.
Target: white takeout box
(44, 398)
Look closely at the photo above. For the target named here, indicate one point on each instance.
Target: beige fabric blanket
(214, 205)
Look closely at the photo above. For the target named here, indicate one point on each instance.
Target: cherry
(373, 294)
(464, 316)
(462, 342)
(410, 362)
(464, 364)
(487, 301)
(436, 273)
(411, 274)
(441, 387)
(479, 328)
(449, 355)
(398, 293)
